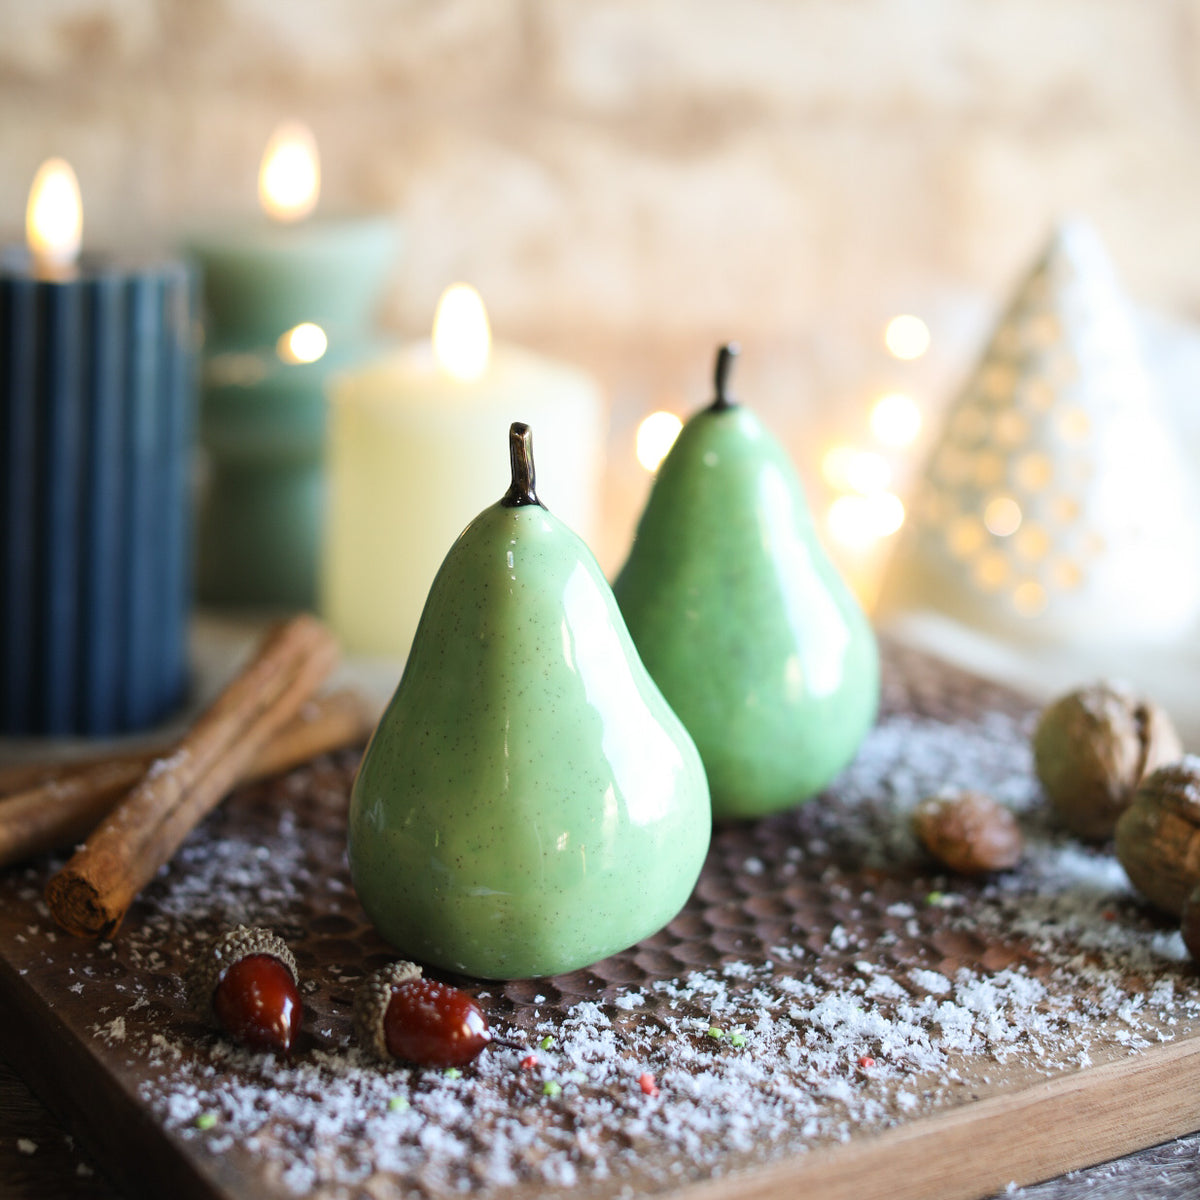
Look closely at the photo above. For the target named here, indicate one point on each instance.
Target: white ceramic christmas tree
(1055, 506)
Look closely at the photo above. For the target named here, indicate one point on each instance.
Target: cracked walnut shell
(1092, 747)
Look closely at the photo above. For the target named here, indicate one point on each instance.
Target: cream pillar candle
(412, 459)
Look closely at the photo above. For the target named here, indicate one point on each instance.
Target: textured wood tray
(828, 1012)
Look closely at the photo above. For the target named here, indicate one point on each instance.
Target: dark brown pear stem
(520, 454)
(725, 360)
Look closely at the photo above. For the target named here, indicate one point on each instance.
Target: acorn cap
(372, 999)
(219, 955)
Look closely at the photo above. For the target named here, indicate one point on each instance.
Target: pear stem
(726, 356)
(520, 454)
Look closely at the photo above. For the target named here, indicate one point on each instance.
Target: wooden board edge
(67, 1077)
(1038, 1133)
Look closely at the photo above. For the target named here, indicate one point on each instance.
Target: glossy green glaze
(742, 620)
(529, 803)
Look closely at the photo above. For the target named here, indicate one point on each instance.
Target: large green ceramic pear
(742, 620)
(528, 804)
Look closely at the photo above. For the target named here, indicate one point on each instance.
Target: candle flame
(289, 180)
(462, 338)
(54, 216)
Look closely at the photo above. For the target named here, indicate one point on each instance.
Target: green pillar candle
(288, 304)
(264, 278)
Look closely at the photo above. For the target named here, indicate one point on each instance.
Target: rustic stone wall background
(629, 181)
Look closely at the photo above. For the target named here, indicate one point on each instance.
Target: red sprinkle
(529, 1062)
(1109, 915)
(647, 1084)
(866, 1061)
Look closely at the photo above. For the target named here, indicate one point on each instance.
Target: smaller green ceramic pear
(529, 803)
(741, 618)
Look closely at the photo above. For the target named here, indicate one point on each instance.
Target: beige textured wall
(628, 181)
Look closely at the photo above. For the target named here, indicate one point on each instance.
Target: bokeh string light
(896, 420)
(304, 343)
(655, 437)
(906, 336)
(865, 510)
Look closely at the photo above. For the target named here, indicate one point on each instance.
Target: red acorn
(246, 983)
(400, 1015)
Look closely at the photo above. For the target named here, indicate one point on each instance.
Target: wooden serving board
(828, 1013)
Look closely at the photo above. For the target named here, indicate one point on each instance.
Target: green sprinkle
(550, 1088)
(714, 1032)
(453, 1073)
(935, 898)
(206, 1120)
(737, 1039)
(546, 1042)
(397, 1104)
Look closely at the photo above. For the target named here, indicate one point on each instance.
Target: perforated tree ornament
(1055, 506)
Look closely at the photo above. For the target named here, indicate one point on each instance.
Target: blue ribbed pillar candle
(96, 422)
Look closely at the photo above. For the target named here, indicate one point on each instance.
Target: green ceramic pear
(529, 803)
(742, 620)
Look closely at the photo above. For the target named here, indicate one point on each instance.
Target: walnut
(1158, 835)
(1190, 924)
(1093, 747)
(968, 832)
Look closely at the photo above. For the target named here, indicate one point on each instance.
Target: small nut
(1158, 835)
(968, 832)
(210, 965)
(1092, 747)
(372, 999)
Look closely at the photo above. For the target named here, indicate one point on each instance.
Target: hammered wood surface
(753, 897)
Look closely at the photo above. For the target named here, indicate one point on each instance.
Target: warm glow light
(851, 470)
(1002, 516)
(289, 180)
(304, 344)
(462, 339)
(1030, 598)
(655, 436)
(907, 336)
(858, 522)
(54, 216)
(896, 420)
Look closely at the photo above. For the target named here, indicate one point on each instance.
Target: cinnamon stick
(92, 893)
(65, 810)
(20, 777)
